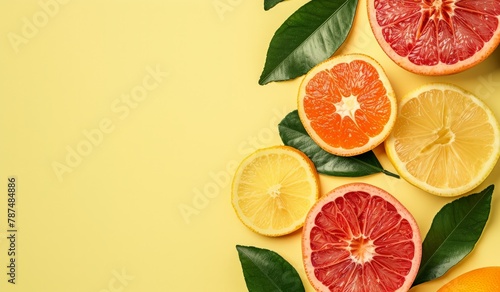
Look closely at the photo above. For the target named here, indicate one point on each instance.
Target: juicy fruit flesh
(349, 97)
(432, 142)
(429, 32)
(361, 242)
(272, 194)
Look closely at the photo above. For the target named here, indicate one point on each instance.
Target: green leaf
(268, 4)
(310, 35)
(454, 232)
(293, 134)
(267, 271)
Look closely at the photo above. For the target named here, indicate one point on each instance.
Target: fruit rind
(479, 279)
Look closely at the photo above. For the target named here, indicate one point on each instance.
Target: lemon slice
(273, 189)
(445, 141)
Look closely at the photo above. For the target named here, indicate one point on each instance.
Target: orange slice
(347, 104)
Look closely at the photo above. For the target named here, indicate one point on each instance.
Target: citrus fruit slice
(347, 104)
(446, 141)
(480, 279)
(436, 37)
(358, 237)
(273, 189)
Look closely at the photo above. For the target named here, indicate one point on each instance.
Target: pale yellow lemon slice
(273, 189)
(445, 141)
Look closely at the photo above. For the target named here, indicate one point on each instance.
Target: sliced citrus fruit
(347, 104)
(481, 279)
(446, 141)
(273, 189)
(358, 237)
(436, 37)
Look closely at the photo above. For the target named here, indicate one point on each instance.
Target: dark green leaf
(454, 232)
(310, 35)
(268, 4)
(267, 271)
(293, 134)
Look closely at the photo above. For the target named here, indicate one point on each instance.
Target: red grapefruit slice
(358, 237)
(436, 37)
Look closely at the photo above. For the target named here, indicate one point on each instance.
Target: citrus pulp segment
(358, 237)
(347, 104)
(446, 141)
(436, 37)
(480, 279)
(273, 189)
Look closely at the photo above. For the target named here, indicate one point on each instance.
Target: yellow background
(146, 207)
